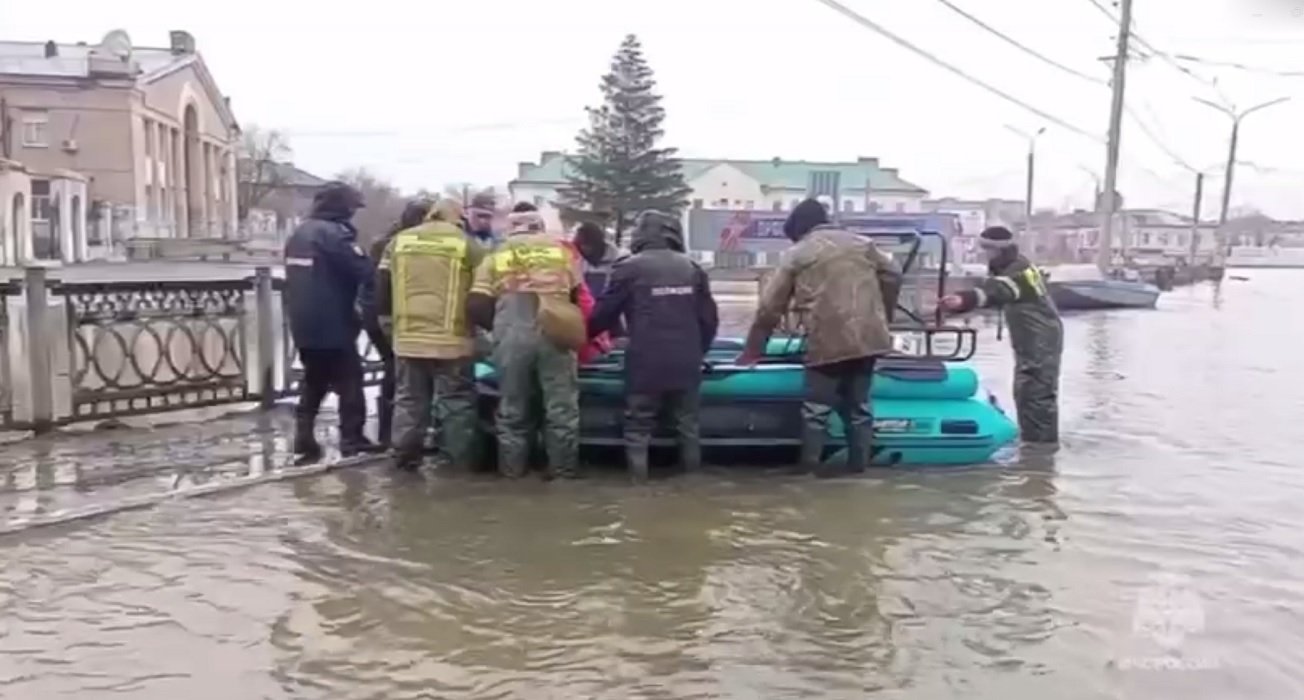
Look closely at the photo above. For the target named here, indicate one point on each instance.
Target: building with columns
(146, 130)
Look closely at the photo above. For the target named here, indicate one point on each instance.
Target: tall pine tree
(618, 171)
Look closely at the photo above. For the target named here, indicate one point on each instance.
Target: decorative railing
(143, 347)
(101, 350)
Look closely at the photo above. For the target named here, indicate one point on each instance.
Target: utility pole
(1195, 216)
(1031, 167)
(1105, 253)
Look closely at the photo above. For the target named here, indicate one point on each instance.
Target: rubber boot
(384, 423)
(690, 455)
(812, 449)
(636, 460)
(860, 446)
(306, 448)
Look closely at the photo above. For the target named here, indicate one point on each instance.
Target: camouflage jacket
(842, 289)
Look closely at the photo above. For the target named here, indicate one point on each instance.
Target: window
(751, 205)
(724, 203)
(538, 201)
(36, 129)
(45, 221)
(900, 207)
(873, 207)
(777, 206)
(149, 138)
(151, 209)
(795, 202)
(697, 204)
(848, 205)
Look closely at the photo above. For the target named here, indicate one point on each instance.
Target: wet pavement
(1156, 555)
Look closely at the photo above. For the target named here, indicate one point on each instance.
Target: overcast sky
(428, 93)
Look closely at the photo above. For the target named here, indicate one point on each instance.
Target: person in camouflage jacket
(1017, 287)
(844, 290)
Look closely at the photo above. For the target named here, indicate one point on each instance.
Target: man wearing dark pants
(844, 289)
(324, 268)
(671, 319)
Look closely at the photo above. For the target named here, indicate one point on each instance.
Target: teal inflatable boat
(929, 406)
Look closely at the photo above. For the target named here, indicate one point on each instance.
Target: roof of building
(283, 174)
(140, 63)
(775, 173)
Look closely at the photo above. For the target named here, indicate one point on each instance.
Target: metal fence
(102, 350)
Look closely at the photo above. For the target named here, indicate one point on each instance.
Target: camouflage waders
(524, 360)
(421, 383)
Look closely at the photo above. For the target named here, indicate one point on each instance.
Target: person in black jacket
(413, 214)
(324, 269)
(671, 320)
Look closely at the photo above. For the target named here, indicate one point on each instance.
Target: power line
(1041, 57)
(1161, 54)
(1015, 43)
(882, 31)
(1241, 66)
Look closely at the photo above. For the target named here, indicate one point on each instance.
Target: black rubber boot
(384, 422)
(860, 447)
(359, 446)
(636, 460)
(690, 455)
(812, 449)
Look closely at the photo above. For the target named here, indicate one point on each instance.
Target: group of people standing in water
(443, 289)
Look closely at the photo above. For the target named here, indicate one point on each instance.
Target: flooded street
(1158, 554)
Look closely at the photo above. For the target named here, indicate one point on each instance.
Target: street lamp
(1032, 162)
(1231, 149)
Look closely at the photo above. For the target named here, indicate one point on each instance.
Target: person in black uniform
(324, 269)
(671, 319)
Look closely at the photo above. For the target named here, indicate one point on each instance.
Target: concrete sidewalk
(80, 473)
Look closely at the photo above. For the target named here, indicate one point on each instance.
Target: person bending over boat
(526, 292)
(413, 214)
(844, 289)
(324, 268)
(1016, 286)
(671, 317)
(425, 277)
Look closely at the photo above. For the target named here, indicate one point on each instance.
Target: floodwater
(1158, 554)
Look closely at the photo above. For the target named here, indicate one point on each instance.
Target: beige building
(146, 128)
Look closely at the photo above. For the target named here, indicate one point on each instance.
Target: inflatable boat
(929, 405)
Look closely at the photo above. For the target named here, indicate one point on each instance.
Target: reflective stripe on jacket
(431, 268)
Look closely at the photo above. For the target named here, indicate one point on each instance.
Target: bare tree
(261, 154)
(384, 203)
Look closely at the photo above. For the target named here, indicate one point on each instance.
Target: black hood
(657, 231)
(805, 216)
(336, 201)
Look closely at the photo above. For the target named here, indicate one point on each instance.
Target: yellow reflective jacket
(431, 268)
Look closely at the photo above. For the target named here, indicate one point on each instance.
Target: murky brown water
(1157, 555)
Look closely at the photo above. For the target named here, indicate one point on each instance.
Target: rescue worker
(425, 275)
(665, 299)
(844, 289)
(479, 219)
(526, 291)
(413, 214)
(324, 268)
(1016, 286)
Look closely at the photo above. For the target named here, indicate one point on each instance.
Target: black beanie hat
(804, 217)
(996, 237)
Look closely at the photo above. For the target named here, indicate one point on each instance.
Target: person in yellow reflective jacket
(526, 292)
(425, 275)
